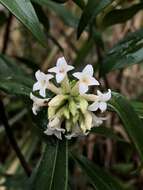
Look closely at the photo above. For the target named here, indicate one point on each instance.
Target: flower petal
(88, 70)
(102, 106)
(37, 74)
(70, 67)
(77, 75)
(104, 96)
(36, 86)
(93, 81)
(40, 75)
(83, 88)
(42, 92)
(53, 70)
(35, 108)
(94, 106)
(49, 76)
(61, 62)
(97, 121)
(60, 77)
(58, 135)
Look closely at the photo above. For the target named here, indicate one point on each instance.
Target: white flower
(76, 132)
(38, 102)
(53, 128)
(97, 121)
(101, 102)
(61, 69)
(85, 79)
(42, 82)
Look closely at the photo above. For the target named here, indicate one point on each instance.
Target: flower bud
(72, 107)
(83, 105)
(58, 100)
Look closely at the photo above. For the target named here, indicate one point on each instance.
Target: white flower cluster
(71, 112)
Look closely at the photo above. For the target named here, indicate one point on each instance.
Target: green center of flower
(69, 108)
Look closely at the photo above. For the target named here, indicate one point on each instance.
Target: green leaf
(100, 179)
(131, 122)
(13, 79)
(60, 1)
(138, 106)
(91, 10)
(121, 15)
(42, 16)
(52, 172)
(64, 13)
(127, 52)
(123, 168)
(106, 132)
(25, 12)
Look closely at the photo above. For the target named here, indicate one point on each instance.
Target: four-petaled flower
(53, 128)
(38, 102)
(61, 69)
(42, 82)
(101, 102)
(85, 79)
(69, 112)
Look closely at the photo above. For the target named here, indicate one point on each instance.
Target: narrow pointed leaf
(64, 13)
(121, 15)
(13, 79)
(52, 173)
(100, 179)
(127, 52)
(25, 12)
(131, 122)
(91, 10)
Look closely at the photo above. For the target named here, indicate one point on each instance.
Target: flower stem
(53, 88)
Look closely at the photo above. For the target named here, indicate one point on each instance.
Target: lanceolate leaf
(131, 122)
(127, 52)
(97, 176)
(121, 15)
(92, 9)
(24, 11)
(52, 173)
(13, 79)
(65, 14)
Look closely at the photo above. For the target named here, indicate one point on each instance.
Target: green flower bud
(66, 113)
(68, 125)
(75, 90)
(58, 100)
(65, 85)
(75, 118)
(83, 126)
(72, 107)
(51, 111)
(83, 104)
(88, 120)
